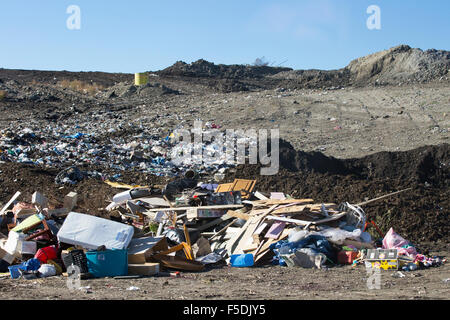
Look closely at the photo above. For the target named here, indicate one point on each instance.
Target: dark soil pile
(203, 68)
(420, 214)
(93, 194)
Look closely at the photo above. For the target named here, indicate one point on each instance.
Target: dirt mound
(53, 77)
(420, 214)
(202, 68)
(429, 164)
(93, 193)
(127, 90)
(400, 64)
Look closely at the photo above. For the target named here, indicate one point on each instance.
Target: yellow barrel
(140, 78)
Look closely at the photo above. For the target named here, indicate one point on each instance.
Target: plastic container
(131, 194)
(14, 270)
(77, 258)
(108, 263)
(242, 260)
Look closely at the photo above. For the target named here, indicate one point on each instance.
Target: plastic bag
(338, 235)
(47, 270)
(47, 253)
(295, 235)
(394, 241)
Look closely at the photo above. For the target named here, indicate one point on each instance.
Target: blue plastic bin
(242, 260)
(108, 263)
(14, 270)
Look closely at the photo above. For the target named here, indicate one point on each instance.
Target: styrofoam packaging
(27, 247)
(13, 244)
(91, 232)
(122, 197)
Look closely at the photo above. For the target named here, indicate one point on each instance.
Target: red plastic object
(47, 253)
(347, 257)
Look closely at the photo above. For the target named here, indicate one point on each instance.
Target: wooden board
(243, 184)
(225, 187)
(227, 206)
(15, 196)
(265, 248)
(252, 225)
(243, 216)
(295, 209)
(236, 237)
(247, 238)
(303, 222)
(214, 222)
(268, 202)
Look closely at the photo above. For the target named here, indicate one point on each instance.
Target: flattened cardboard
(146, 269)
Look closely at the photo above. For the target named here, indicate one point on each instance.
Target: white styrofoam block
(91, 232)
(27, 247)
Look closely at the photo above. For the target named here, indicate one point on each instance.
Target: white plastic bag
(297, 235)
(47, 270)
(337, 235)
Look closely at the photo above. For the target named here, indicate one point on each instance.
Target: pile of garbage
(188, 225)
(148, 151)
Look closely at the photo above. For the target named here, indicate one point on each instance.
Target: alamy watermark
(73, 22)
(230, 147)
(374, 280)
(73, 279)
(374, 21)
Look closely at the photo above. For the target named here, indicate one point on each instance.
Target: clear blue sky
(143, 35)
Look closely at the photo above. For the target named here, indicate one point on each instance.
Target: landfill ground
(262, 283)
(349, 142)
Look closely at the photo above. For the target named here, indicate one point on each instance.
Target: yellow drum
(140, 78)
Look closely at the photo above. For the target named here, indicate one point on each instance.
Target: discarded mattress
(91, 232)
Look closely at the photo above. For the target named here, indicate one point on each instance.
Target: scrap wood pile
(186, 226)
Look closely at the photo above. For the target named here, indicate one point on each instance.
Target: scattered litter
(398, 274)
(132, 288)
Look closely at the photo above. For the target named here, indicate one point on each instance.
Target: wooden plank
(247, 236)
(285, 201)
(296, 208)
(260, 196)
(303, 222)
(224, 187)
(154, 202)
(14, 197)
(243, 185)
(227, 206)
(266, 247)
(277, 196)
(222, 230)
(260, 229)
(276, 229)
(253, 224)
(240, 215)
(214, 222)
(236, 237)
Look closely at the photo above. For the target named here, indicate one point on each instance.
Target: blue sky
(134, 36)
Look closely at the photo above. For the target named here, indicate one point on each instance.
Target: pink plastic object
(393, 241)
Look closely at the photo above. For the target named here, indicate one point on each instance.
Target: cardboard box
(6, 256)
(146, 269)
(384, 259)
(140, 249)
